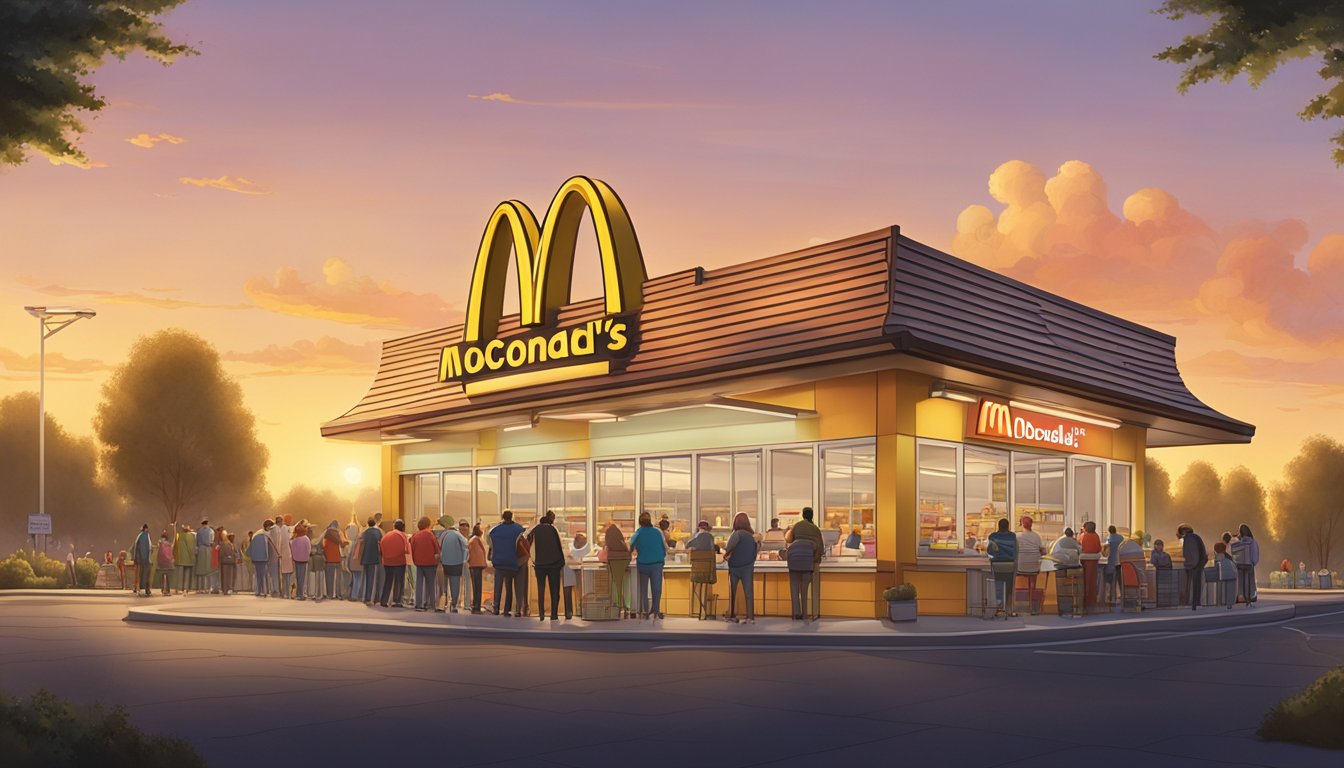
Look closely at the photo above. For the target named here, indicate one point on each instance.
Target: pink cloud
(344, 297)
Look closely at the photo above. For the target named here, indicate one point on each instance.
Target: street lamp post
(51, 320)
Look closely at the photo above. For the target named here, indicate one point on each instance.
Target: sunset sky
(317, 180)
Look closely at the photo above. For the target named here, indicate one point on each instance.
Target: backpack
(800, 555)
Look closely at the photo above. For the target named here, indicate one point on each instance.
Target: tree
(317, 507)
(1309, 503)
(47, 52)
(1196, 500)
(176, 431)
(1243, 503)
(1157, 517)
(1254, 37)
(84, 511)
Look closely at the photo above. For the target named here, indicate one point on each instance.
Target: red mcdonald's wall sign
(998, 421)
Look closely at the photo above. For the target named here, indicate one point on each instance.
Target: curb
(65, 593)
(1017, 635)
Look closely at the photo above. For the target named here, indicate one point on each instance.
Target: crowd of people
(1018, 555)
(449, 559)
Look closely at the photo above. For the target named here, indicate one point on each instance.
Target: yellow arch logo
(544, 260)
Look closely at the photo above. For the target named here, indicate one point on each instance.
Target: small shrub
(86, 572)
(50, 568)
(899, 593)
(1311, 717)
(46, 730)
(14, 572)
(42, 582)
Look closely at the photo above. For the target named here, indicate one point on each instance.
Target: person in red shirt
(1090, 543)
(425, 549)
(394, 548)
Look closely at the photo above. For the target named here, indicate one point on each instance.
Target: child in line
(1227, 575)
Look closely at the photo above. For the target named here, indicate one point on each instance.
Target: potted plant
(901, 603)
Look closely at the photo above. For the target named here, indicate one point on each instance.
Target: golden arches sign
(544, 259)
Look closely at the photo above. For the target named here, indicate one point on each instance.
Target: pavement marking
(1091, 653)
(1298, 631)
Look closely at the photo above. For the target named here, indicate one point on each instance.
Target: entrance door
(1089, 488)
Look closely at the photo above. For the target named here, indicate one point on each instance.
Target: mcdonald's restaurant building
(907, 396)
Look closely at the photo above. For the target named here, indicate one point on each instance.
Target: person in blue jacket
(1002, 551)
(504, 557)
(370, 558)
(649, 549)
(262, 551)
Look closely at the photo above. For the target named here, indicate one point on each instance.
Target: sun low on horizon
(297, 194)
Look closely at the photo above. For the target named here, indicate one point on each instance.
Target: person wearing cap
(806, 529)
(207, 580)
(703, 540)
(453, 547)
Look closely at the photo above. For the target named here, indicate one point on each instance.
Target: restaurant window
(937, 492)
(1038, 492)
(520, 491)
(985, 488)
(1122, 515)
(567, 497)
(410, 490)
(1088, 494)
(615, 486)
(728, 483)
(666, 487)
(791, 488)
(487, 498)
(849, 490)
(457, 495)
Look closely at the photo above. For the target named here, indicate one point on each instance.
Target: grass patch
(45, 730)
(1312, 717)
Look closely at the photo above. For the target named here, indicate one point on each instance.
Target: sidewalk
(247, 612)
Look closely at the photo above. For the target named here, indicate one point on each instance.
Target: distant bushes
(86, 572)
(34, 570)
(45, 730)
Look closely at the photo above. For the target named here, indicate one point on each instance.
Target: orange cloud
(228, 184)
(81, 164)
(326, 355)
(506, 98)
(56, 363)
(131, 297)
(345, 297)
(1060, 234)
(147, 142)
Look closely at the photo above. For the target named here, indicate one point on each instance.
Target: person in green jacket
(184, 555)
(807, 530)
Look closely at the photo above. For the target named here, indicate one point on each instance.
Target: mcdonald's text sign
(544, 260)
(998, 421)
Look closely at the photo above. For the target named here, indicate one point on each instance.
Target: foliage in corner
(1312, 717)
(45, 730)
(1254, 37)
(48, 50)
(899, 593)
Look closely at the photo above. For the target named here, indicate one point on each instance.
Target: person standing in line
(548, 557)
(353, 563)
(283, 534)
(140, 554)
(453, 548)
(569, 577)
(205, 544)
(121, 567)
(476, 562)
(394, 547)
(164, 561)
(523, 551)
(262, 551)
(1090, 543)
(300, 550)
(618, 563)
(806, 529)
(425, 550)
(184, 555)
(649, 550)
(504, 557)
(1227, 575)
(370, 557)
(740, 554)
(1246, 555)
(333, 546)
(1002, 551)
(1196, 557)
(1111, 574)
(801, 563)
(279, 536)
(228, 562)
(1030, 547)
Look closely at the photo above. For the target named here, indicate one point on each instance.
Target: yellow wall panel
(847, 407)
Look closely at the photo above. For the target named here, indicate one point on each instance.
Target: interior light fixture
(403, 439)
(521, 426)
(752, 409)
(1099, 421)
(939, 389)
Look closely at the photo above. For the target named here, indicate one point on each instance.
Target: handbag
(602, 555)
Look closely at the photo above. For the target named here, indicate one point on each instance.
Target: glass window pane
(409, 503)
(615, 495)
(1121, 510)
(1049, 522)
(428, 506)
(667, 494)
(937, 490)
(487, 498)
(747, 485)
(1087, 494)
(520, 489)
(791, 488)
(457, 495)
(849, 487)
(985, 485)
(566, 496)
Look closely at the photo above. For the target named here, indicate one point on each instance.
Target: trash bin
(1325, 581)
(1069, 591)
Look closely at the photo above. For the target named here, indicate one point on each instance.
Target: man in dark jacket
(548, 557)
(140, 551)
(807, 530)
(1196, 557)
(371, 558)
(504, 557)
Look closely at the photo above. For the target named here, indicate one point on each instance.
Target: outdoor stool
(703, 577)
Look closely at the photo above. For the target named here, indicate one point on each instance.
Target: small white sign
(39, 525)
